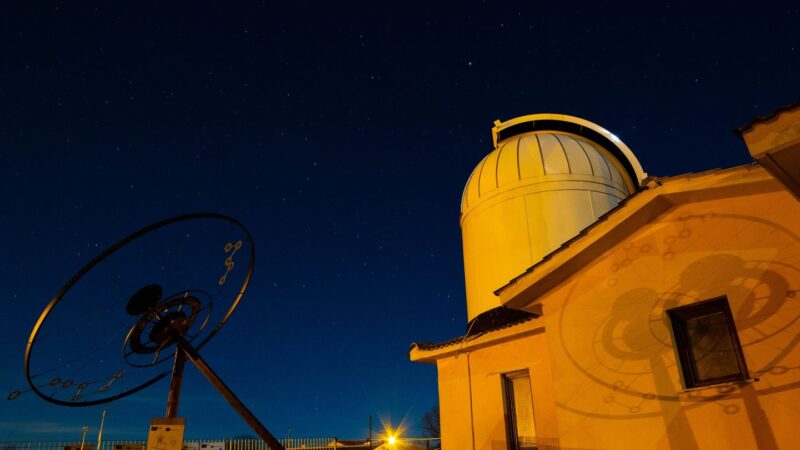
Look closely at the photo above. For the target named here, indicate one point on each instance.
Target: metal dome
(548, 177)
(523, 158)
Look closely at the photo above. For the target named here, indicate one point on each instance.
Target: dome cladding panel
(522, 158)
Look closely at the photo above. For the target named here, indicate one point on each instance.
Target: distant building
(641, 312)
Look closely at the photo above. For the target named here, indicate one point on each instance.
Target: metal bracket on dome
(576, 126)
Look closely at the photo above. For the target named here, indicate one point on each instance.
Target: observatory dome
(548, 177)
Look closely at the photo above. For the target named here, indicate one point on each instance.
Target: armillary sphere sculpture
(143, 301)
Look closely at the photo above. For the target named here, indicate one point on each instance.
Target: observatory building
(611, 310)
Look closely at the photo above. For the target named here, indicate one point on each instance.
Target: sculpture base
(166, 433)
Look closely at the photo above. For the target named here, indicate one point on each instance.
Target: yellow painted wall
(482, 368)
(454, 403)
(603, 367)
(612, 353)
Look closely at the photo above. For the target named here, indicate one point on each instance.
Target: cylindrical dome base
(535, 191)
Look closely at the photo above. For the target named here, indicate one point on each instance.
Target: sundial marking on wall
(603, 345)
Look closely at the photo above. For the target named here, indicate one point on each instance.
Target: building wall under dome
(602, 357)
(482, 368)
(612, 350)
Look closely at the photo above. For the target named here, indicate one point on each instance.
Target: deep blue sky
(342, 137)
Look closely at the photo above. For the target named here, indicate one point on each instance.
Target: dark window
(707, 343)
(518, 401)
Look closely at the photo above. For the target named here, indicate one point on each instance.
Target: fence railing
(314, 443)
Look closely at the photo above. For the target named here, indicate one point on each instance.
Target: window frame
(679, 317)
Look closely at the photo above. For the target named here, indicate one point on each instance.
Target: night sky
(341, 136)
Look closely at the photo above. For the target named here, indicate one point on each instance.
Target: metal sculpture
(160, 293)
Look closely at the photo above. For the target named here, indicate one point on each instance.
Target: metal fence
(315, 443)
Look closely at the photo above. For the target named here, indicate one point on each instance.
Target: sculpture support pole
(226, 392)
(175, 383)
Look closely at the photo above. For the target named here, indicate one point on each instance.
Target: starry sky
(341, 135)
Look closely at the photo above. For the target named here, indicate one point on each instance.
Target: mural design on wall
(628, 352)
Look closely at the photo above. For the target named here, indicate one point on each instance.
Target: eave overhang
(774, 142)
(466, 344)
